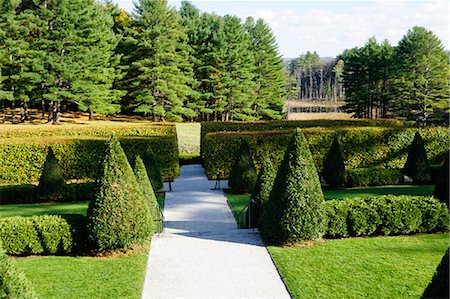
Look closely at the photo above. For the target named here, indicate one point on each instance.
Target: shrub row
(385, 215)
(362, 147)
(120, 130)
(361, 177)
(79, 158)
(48, 234)
(210, 127)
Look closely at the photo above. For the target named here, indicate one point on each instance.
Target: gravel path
(202, 254)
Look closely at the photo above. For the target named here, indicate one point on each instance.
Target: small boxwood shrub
(51, 184)
(243, 174)
(417, 166)
(152, 168)
(48, 234)
(374, 176)
(141, 177)
(261, 192)
(439, 284)
(385, 215)
(334, 172)
(13, 283)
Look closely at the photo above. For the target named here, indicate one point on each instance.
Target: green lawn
(86, 277)
(381, 267)
(237, 202)
(188, 138)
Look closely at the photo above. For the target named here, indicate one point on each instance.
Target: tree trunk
(91, 114)
(50, 112)
(42, 109)
(2, 106)
(13, 109)
(56, 112)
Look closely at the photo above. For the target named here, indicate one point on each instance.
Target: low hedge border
(48, 234)
(362, 147)
(385, 215)
(362, 177)
(79, 158)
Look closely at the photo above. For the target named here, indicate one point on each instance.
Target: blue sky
(329, 27)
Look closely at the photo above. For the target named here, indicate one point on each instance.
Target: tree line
(157, 62)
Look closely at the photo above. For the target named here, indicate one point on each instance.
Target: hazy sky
(329, 27)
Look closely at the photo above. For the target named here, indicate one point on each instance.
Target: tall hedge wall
(79, 157)
(362, 147)
(210, 127)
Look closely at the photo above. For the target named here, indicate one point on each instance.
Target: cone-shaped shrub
(152, 167)
(13, 283)
(295, 209)
(417, 166)
(51, 184)
(142, 178)
(119, 216)
(243, 175)
(441, 190)
(334, 172)
(262, 189)
(439, 287)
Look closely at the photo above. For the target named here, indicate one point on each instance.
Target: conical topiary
(295, 210)
(441, 190)
(417, 166)
(334, 172)
(119, 216)
(439, 284)
(262, 189)
(13, 283)
(142, 178)
(152, 167)
(51, 184)
(243, 175)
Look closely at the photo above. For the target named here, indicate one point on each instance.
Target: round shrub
(119, 216)
(439, 284)
(374, 176)
(147, 189)
(295, 211)
(441, 190)
(363, 218)
(243, 174)
(417, 166)
(334, 172)
(13, 283)
(51, 184)
(337, 215)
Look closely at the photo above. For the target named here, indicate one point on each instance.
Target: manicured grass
(382, 267)
(383, 190)
(86, 277)
(188, 139)
(237, 202)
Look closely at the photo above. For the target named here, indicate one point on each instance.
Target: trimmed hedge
(362, 147)
(243, 174)
(362, 177)
(48, 234)
(80, 158)
(233, 126)
(385, 215)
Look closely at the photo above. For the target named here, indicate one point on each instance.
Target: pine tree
(243, 175)
(441, 190)
(263, 187)
(439, 284)
(268, 70)
(417, 166)
(295, 209)
(51, 184)
(119, 216)
(141, 177)
(334, 172)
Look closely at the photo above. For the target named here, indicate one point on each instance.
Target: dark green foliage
(119, 216)
(295, 210)
(142, 178)
(243, 173)
(417, 166)
(441, 190)
(13, 283)
(263, 187)
(334, 172)
(152, 167)
(364, 147)
(51, 184)
(48, 234)
(374, 176)
(385, 215)
(438, 287)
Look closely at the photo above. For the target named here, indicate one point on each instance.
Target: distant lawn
(188, 139)
(86, 277)
(382, 267)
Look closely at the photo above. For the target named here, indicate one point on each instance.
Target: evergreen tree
(268, 70)
(51, 184)
(295, 209)
(119, 216)
(243, 175)
(159, 77)
(141, 177)
(417, 166)
(441, 190)
(334, 172)
(422, 81)
(263, 187)
(13, 283)
(439, 284)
